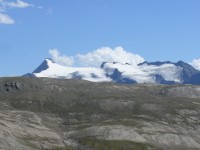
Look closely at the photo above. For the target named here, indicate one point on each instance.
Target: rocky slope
(43, 113)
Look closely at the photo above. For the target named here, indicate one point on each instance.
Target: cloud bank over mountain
(61, 59)
(104, 54)
(196, 63)
(96, 57)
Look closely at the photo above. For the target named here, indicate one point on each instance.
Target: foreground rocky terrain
(43, 113)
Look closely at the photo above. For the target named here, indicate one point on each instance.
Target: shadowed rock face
(157, 63)
(116, 76)
(43, 66)
(75, 114)
(188, 72)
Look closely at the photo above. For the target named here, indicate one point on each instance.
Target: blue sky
(157, 30)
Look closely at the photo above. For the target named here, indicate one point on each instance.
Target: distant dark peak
(182, 64)
(187, 67)
(116, 75)
(102, 65)
(157, 63)
(43, 66)
(188, 72)
(145, 62)
(28, 75)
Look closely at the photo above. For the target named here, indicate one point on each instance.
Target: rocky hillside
(43, 113)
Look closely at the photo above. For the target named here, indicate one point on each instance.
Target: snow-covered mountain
(146, 72)
(50, 69)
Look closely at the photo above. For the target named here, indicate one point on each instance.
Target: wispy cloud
(18, 4)
(5, 19)
(5, 5)
(49, 10)
(40, 7)
(96, 57)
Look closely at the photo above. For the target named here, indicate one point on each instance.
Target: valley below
(72, 114)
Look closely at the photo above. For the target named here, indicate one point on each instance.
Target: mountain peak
(49, 60)
(44, 65)
(182, 64)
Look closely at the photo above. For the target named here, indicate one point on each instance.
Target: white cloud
(5, 19)
(195, 63)
(6, 4)
(96, 57)
(18, 4)
(106, 54)
(61, 59)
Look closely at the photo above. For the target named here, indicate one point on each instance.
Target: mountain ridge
(158, 72)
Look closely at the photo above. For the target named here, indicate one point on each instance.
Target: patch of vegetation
(63, 148)
(29, 144)
(92, 143)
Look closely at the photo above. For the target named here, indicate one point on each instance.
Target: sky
(86, 32)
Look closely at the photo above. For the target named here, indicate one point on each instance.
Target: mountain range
(147, 72)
